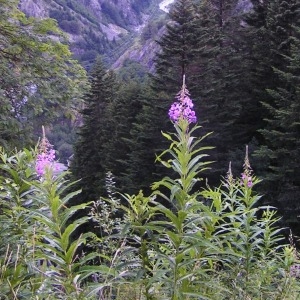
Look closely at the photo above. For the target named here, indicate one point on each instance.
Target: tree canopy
(39, 80)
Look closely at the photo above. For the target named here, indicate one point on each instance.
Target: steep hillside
(94, 27)
(119, 30)
(144, 47)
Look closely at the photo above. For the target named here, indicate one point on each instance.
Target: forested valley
(179, 181)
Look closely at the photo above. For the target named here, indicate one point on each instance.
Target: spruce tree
(91, 160)
(221, 81)
(125, 111)
(267, 31)
(178, 48)
(282, 131)
(204, 42)
(145, 142)
(272, 37)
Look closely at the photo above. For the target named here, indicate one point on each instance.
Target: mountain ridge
(118, 30)
(93, 27)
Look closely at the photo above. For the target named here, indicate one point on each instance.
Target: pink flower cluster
(46, 156)
(246, 179)
(183, 107)
(295, 271)
(44, 160)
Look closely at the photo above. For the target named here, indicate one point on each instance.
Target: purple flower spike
(45, 158)
(182, 107)
(247, 174)
(247, 179)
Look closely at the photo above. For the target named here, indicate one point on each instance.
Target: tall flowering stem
(247, 174)
(181, 191)
(183, 106)
(46, 156)
(186, 155)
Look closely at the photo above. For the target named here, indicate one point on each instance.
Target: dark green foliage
(216, 248)
(125, 113)
(89, 56)
(90, 156)
(39, 81)
(178, 51)
(151, 29)
(204, 41)
(236, 65)
(264, 44)
(63, 136)
(77, 7)
(282, 135)
(78, 19)
(273, 37)
(220, 94)
(132, 71)
(70, 27)
(178, 48)
(111, 137)
(143, 141)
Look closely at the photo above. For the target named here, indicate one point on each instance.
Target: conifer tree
(91, 160)
(273, 36)
(175, 58)
(125, 111)
(221, 80)
(145, 142)
(282, 131)
(267, 34)
(178, 47)
(204, 42)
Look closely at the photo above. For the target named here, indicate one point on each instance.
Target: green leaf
(69, 196)
(175, 238)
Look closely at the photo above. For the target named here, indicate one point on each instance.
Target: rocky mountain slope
(119, 30)
(106, 27)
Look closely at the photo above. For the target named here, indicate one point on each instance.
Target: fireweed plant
(202, 243)
(206, 243)
(38, 257)
(46, 156)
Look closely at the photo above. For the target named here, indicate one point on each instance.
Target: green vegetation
(81, 20)
(280, 104)
(239, 95)
(149, 208)
(39, 79)
(91, 158)
(76, 19)
(78, 8)
(211, 243)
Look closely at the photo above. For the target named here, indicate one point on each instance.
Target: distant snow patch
(164, 5)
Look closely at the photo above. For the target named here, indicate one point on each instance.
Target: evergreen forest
(182, 183)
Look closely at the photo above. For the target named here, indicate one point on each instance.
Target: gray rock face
(134, 48)
(95, 5)
(40, 8)
(104, 19)
(35, 8)
(123, 7)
